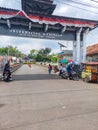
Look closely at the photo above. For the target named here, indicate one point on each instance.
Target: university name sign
(35, 33)
(24, 33)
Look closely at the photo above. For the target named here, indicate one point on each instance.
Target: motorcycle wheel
(76, 78)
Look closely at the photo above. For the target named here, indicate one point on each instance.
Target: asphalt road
(35, 100)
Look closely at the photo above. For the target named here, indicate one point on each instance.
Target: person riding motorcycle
(68, 69)
(7, 69)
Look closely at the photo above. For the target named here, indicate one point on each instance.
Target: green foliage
(3, 51)
(33, 54)
(44, 52)
(53, 58)
(42, 55)
(10, 50)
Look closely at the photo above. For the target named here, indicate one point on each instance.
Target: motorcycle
(6, 76)
(74, 75)
(64, 75)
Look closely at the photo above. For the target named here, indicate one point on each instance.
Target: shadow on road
(1, 105)
(35, 77)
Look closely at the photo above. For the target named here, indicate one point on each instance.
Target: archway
(36, 21)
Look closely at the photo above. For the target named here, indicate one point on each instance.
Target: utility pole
(8, 49)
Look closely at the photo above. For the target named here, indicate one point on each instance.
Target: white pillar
(84, 44)
(78, 45)
(84, 48)
(81, 51)
(61, 48)
(74, 51)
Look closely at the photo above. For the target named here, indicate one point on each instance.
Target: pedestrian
(69, 68)
(60, 69)
(49, 69)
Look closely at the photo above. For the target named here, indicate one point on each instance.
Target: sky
(26, 44)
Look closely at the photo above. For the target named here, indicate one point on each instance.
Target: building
(92, 53)
(66, 54)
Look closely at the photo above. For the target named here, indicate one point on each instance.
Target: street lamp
(15, 51)
(61, 45)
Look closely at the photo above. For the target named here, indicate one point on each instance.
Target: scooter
(74, 75)
(6, 76)
(64, 75)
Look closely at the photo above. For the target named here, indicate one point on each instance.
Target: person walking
(49, 69)
(60, 69)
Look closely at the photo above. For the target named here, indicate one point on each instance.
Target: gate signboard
(36, 33)
(35, 20)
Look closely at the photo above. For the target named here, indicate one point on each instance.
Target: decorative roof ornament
(41, 7)
(48, 20)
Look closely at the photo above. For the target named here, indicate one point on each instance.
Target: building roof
(51, 19)
(92, 50)
(45, 7)
(90, 63)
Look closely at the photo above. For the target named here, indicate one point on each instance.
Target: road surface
(35, 100)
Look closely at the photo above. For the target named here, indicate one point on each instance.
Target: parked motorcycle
(64, 75)
(74, 75)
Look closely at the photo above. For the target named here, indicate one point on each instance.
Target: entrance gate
(36, 21)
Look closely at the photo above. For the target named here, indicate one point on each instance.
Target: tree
(47, 51)
(41, 55)
(3, 51)
(44, 52)
(10, 50)
(53, 58)
(39, 58)
(33, 53)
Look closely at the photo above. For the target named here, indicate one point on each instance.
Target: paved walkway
(38, 101)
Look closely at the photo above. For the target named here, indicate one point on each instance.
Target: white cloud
(61, 10)
(23, 44)
(72, 10)
(26, 44)
(4, 41)
(13, 4)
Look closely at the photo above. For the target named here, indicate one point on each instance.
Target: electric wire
(81, 3)
(93, 36)
(95, 1)
(63, 2)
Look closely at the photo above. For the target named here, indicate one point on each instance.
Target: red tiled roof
(91, 63)
(92, 50)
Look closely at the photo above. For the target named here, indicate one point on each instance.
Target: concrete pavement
(38, 101)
